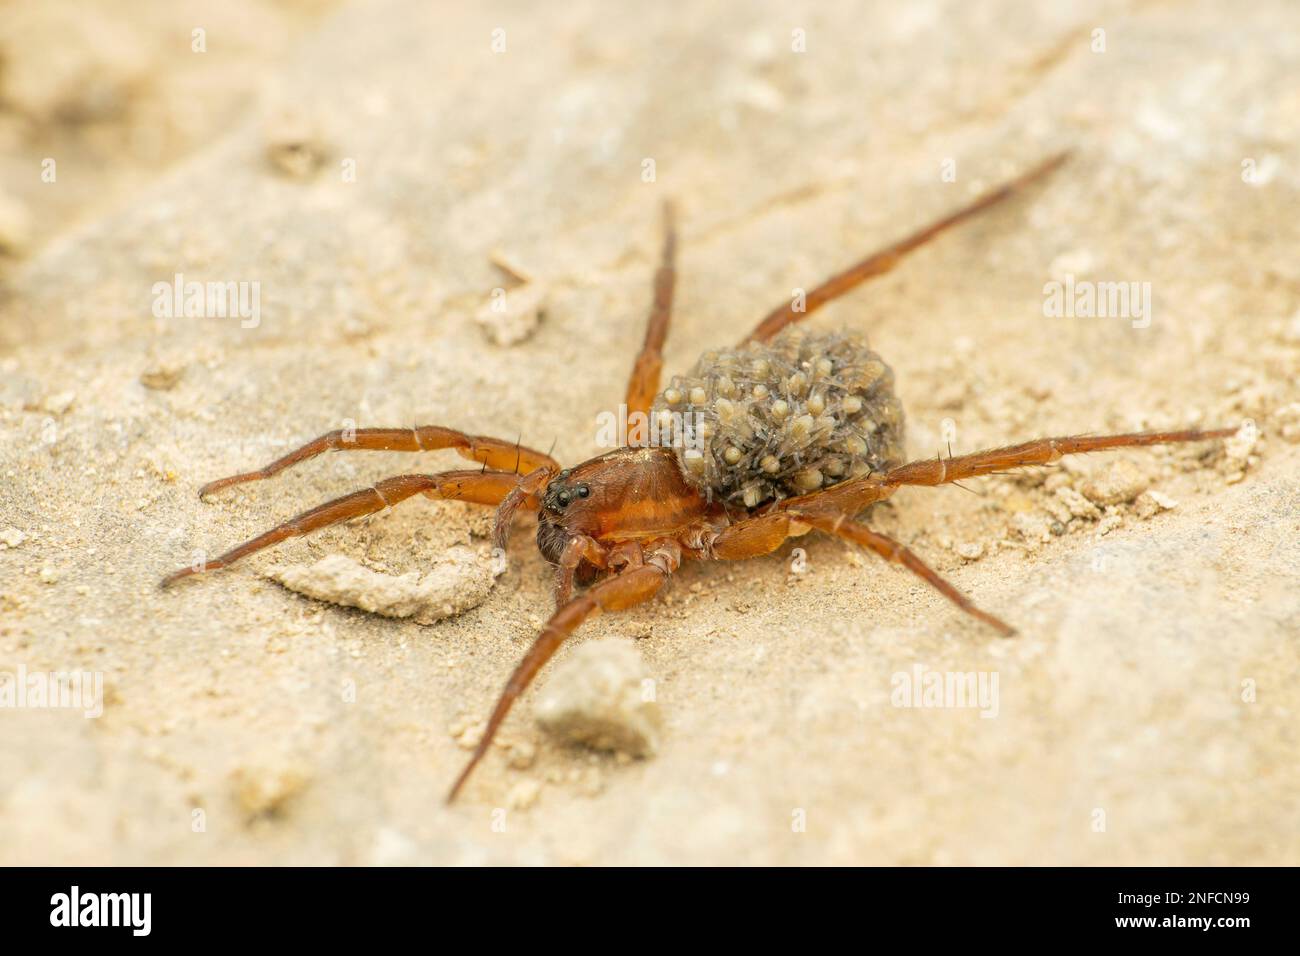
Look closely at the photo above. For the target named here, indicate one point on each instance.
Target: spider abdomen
(783, 418)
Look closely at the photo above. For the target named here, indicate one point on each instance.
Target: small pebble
(162, 376)
(1076, 505)
(1119, 482)
(264, 790)
(470, 735)
(59, 403)
(1151, 502)
(1239, 446)
(523, 794)
(512, 316)
(294, 145)
(521, 754)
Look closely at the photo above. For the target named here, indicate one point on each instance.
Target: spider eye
(562, 498)
(583, 491)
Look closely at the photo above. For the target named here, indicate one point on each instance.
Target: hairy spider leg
(878, 263)
(492, 452)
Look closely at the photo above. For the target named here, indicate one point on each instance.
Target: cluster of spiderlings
(785, 418)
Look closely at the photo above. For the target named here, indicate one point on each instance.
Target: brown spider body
(773, 420)
(786, 433)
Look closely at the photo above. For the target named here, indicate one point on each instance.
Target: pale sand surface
(1147, 712)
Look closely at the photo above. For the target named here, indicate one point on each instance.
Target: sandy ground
(1147, 712)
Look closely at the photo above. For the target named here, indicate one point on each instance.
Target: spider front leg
(644, 383)
(490, 452)
(632, 586)
(481, 487)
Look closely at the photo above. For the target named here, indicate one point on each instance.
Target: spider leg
(938, 471)
(1042, 451)
(633, 586)
(492, 452)
(895, 553)
(580, 548)
(886, 259)
(523, 491)
(644, 383)
(851, 497)
(486, 488)
(829, 510)
(754, 536)
(763, 534)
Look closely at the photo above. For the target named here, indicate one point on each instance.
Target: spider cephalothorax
(795, 433)
(621, 496)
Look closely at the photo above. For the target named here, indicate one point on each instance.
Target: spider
(787, 433)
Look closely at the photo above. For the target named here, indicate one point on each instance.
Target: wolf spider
(798, 433)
